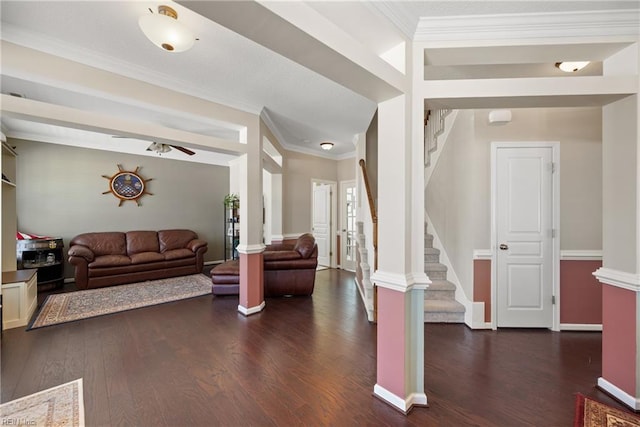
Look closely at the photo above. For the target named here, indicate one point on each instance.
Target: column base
(621, 395)
(251, 310)
(397, 402)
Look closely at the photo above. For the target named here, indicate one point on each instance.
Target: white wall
(60, 194)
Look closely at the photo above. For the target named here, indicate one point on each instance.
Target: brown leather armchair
(288, 270)
(291, 269)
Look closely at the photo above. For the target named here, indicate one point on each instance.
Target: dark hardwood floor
(302, 361)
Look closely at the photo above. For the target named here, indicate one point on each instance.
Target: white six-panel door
(524, 236)
(322, 222)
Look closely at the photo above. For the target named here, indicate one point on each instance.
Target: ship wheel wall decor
(127, 185)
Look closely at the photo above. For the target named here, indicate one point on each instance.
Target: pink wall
(482, 285)
(619, 337)
(391, 341)
(580, 293)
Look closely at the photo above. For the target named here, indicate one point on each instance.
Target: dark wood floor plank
(302, 361)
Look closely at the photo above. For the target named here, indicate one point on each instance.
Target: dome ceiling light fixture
(326, 145)
(572, 67)
(164, 30)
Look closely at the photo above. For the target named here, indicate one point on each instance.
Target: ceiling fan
(160, 148)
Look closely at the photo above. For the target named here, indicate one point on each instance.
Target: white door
(348, 222)
(322, 222)
(524, 227)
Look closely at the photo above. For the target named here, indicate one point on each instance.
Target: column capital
(400, 282)
(251, 249)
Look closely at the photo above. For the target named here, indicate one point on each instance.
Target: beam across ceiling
(301, 34)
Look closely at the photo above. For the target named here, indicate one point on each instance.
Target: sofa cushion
(175, 239)
(144, 257)
(103, 243)
(229, 268)
(142, 241)
(178, 254)
(110, 261)
(305, 245)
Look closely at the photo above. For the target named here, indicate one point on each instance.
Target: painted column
(620, 272)
(400, 280)
(250, 249)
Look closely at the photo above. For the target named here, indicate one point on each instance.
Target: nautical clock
(127, 185)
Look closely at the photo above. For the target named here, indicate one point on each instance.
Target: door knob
(504, 247)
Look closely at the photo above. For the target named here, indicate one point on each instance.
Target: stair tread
(448, 306)
(431, 251)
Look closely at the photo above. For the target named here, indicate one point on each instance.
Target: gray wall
(60, 194)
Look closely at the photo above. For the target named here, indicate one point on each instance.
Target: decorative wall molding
(620, 279)
(251, 249)
(399, 282)
(482, 254)
(527, 26)
(580, 255)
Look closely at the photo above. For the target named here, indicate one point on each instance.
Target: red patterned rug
(591, 413)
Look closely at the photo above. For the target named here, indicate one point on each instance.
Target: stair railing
(374, 221)
(372, 209)
(434, 126)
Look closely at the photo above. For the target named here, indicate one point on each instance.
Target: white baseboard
(621, 395)
(219, 261)
(251, 310)
(580, 327)
(404, 405)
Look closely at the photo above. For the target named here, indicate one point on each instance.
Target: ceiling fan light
(572, 67)
(164, 30)
(326, 145)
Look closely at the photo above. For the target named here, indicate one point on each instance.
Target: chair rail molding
(620, 279)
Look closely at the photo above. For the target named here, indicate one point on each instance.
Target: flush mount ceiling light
(572, 67)
(326, 145)
(164, 30)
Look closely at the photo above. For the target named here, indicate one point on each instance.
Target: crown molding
(52, 46)
(528, 26)
(402, 21)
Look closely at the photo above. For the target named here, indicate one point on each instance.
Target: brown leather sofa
(288, 270)
(114, 258)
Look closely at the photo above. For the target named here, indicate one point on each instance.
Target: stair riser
(439, 295)
(437, 275)
(428, 241)
(433, 258)
(443, 317)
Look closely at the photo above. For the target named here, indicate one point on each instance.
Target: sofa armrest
(196, 244)
(81, 252)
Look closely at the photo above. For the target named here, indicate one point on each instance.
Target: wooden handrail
(374, 215)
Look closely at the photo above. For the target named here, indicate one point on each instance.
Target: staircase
(440, 305)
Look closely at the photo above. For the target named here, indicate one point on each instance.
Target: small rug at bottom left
(62, 405)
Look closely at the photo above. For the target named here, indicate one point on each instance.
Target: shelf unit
(9, 216)
(46, 256)
(231, 230)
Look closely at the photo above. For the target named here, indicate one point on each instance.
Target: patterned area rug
(58, 406)
(591, 413)
(70, 306)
